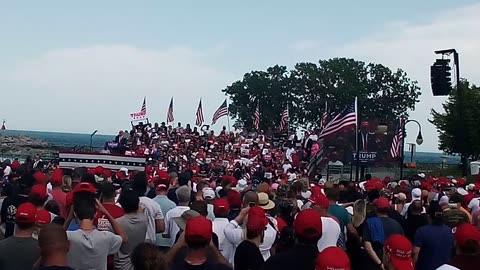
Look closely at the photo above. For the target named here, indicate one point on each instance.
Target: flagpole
(357, 159)
(228, 115)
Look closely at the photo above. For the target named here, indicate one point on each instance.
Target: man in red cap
(332, 258)
(56, 180)
(221, 208)
(377, 229)
(21, 250)
(166, 205)
(248, 255)
(467, 238)
(330, 225)
(198, 237)
(397, 253)
(308, 230)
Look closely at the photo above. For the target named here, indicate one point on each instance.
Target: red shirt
(101, 220)
(61, 198)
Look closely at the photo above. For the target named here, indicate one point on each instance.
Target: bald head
(52, 240)
(250, 197)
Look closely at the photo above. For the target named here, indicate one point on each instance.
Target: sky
(78, 66)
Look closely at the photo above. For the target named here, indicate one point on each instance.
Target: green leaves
(308, 86)
(450, 122)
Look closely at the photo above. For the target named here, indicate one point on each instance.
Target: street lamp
(419, 141)
(91, 140)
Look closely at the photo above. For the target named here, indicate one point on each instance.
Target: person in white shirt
(221, 208)
(208, 197)
(416, 196)
(286, 166)
(172, 229)
(330, 227)
(235, 233)
(150, 208)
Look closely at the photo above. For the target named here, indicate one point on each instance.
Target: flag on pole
(256, 117)
(170, 118)
(284, 118)
(199, 120)
(396, 148)
(221, 111)
(346, 118)
(144, 106)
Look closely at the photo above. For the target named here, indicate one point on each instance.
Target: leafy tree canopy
(381, 92)
(458, 118)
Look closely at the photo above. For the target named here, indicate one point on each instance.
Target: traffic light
(441, 77)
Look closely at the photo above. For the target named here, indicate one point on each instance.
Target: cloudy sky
(77, 66)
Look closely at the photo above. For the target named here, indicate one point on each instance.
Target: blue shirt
(436, 246)
(166, 205)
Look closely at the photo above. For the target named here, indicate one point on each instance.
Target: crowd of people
(239, 200)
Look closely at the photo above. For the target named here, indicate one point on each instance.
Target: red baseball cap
(332, 258)
(382, 202)
(57, 176)
(99, 170)
(308, 224)
(321, 200)
(43, 217)
(107, 173)
(257, 220)
(40, 177)
(234, 198)
(84, 186)
(399, 250)
(465, 233)
(26, 213)
(38, 190)
(162, 185)
(221, 206)
(198, 228)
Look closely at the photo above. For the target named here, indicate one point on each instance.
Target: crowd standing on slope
(239, 200)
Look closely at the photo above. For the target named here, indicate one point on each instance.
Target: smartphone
(251, 204)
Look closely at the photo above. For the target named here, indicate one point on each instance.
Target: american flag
(396, 148)
(199, 120)
(221, 111)
(323, 120)
(144, 106)
(346, 118)
(170, 118)
(256, 117)
(316, 162)
(284, 119)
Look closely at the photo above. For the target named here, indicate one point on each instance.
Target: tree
(308, 86)
(458, 118)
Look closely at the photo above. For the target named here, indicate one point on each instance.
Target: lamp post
(91, 140)
(419, 141)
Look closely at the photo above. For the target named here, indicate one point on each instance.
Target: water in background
(77, 139)
(64, 139)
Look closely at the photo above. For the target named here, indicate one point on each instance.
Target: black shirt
(300, 257)
(248, 256)
(183, 265)
(8, 212)
(54, 267)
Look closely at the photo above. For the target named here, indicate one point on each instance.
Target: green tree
(460, 117)
(308, 86)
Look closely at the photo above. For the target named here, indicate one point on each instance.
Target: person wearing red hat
(467, 238)
(308, 230)
(57, 193)
(198, 239)
(332, 258)
(221, 208)
(397, 253)
(248, 255)
(21, 250)
(377, 229)
(331, 226)
(166, 205)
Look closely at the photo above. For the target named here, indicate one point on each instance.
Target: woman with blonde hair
(354, 248)
(67, 183)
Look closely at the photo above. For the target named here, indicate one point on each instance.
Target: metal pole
(357, 158)
(228, 116)
(461, 131)
(402, 159)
